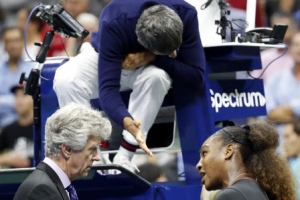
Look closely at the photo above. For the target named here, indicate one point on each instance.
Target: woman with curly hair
(242, 161)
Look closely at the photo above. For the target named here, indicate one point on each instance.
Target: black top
(17, 138)
(244, 189)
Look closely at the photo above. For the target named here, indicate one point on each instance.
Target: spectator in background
(16, 139)
(2, 19)
(76, 7)
(270, 54)
(10, 71)
(11, 8)
(282, 90)
(33, 33)
(90, 23)
(292, 148)
(286, 6)
(297, 16)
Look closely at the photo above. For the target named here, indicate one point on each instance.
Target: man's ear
(138, 40)
(228, 151)
(66, 151)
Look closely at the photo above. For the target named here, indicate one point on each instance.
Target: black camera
(265, 35)
(61, 21)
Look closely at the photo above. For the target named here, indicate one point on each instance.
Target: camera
(265, 35)
(61, 21)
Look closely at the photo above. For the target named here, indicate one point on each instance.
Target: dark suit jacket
(42, 183)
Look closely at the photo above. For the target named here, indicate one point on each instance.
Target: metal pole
(251, 14)
(37, 130)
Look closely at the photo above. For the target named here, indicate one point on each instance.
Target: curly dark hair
(258, 143)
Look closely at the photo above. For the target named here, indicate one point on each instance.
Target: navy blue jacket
(116, 38)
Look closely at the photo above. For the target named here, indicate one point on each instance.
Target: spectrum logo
(244, 99)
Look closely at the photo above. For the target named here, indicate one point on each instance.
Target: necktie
(72, 192)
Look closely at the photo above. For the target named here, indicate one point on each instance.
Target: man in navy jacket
(146, 46)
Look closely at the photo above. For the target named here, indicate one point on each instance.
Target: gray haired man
(72, 138)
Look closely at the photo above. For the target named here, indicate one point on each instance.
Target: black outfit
(243, 189)
(42, 183)
(15, 137)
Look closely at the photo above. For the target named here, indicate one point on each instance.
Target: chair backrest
(165, 120)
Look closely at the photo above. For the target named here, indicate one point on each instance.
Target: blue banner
(232, 99)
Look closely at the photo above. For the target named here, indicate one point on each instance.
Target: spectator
(11, 8)
(16, 140)
(282, 96)
(268, 55)
(292, 148)
(2, 19)
(33, 32)
(286, 6)
(90, 23)
(76, 7)
(297, 16)
(242, 161)
(10, 71)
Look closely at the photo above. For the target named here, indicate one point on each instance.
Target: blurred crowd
(16, 109)
(282, 78)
